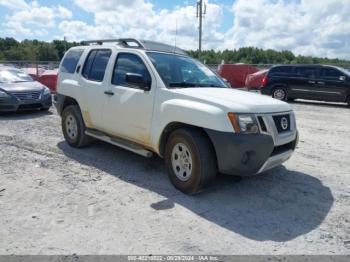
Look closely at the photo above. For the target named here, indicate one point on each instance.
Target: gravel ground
(104, 200)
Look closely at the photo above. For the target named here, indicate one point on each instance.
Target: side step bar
(119, 142)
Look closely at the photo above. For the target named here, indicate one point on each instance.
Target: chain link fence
(37, 65)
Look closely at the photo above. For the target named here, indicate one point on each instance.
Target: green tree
(11, 49)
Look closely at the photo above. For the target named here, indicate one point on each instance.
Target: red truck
(45, 77)
(236, 74)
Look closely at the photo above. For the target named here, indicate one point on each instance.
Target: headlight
(47, 92)
(4, 95)
(244, 123)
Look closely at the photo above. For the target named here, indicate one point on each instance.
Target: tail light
(264, 81)
(56, 81)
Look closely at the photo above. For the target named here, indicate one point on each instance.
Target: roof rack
(125, 42)
(140, 44)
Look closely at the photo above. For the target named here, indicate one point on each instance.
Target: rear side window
(308, 72)
(282, 70)
(95, 65)
(71, 60)
(129, 63)
(331, 73)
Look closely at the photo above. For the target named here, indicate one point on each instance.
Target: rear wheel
(279, 93)
(190, 160)
(73, 127)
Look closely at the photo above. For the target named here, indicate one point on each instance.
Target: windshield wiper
(211, 85)
(182, 84)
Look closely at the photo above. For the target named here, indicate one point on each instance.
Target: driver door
(332, 84)
(128, 110)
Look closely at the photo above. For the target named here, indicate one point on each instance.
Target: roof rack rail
(125, 42)
(139, 44)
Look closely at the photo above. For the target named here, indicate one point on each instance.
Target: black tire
(277, 91)
(45, 109)
(348, 101)
(80, 139)
(203, 159)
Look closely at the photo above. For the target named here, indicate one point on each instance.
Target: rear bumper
(12, 105)
(247, 155)
(266, 90)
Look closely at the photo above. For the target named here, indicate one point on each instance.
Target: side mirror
(138, 81)
(342, 78)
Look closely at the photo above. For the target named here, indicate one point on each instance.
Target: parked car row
(150, 98)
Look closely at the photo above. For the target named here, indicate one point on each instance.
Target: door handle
(311, 82)
(320, 83)
(109, 93)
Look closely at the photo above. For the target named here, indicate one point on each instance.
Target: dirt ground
(104, 200)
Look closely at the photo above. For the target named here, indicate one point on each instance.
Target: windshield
(181, 71)
(13, 76)
(343, 70)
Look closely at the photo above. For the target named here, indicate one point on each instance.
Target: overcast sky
(308, 27)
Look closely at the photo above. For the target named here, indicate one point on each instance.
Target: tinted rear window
(281, 70)
(309, 72)
(95, 65)
(71, 60)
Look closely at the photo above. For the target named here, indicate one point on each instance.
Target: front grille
(7, 107)
(282, 123)
(29, 106)
(262, 124)
(27, 95)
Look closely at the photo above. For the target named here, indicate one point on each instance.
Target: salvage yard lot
(104, 200)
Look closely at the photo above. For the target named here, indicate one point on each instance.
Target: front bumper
(246, 155)
(12, 105)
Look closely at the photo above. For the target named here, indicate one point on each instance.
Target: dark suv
(314, 82)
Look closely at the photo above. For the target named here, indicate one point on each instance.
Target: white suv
(149, 97)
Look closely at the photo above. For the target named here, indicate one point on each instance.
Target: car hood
(21, 86)
(236, 100)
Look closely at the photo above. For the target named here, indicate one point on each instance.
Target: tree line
(34, 50)
(253, 55)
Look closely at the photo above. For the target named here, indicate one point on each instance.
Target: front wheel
(73, 127)
(190, 160)
(279, 93)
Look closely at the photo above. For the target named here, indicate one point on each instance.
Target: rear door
(332, 84)
(92, 86)
(305, 82)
